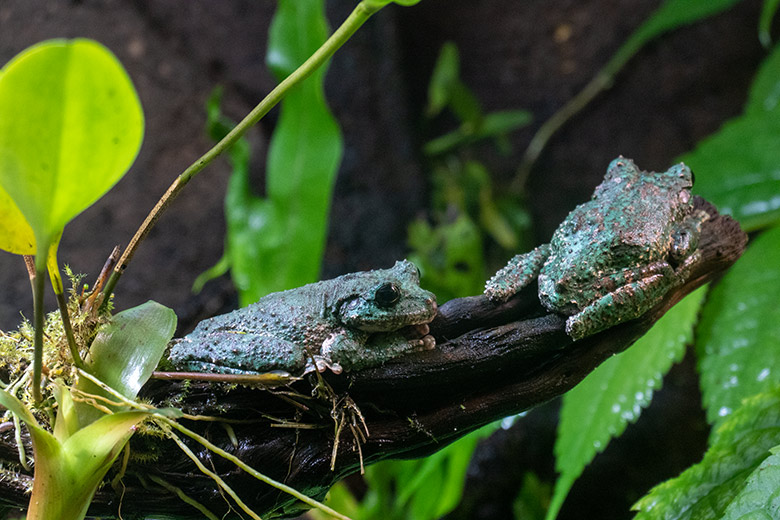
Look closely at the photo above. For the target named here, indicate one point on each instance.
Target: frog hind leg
(519, 272)
(228, 352)
(624, 303)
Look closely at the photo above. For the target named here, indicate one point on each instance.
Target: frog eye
(387, 295)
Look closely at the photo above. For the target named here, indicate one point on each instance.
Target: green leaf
(276, 243)
(672, 14)
(768, 13)
(126, 351)
(738, 336)
(603, 404)
(16, 235)
(70, 127)
(764, 95)
(449, 256)
(737, 167)
(760, 498)
(402, 490)
(67, 474)
(446, 72)
(494, 124)
(739, 445)
(303, 156)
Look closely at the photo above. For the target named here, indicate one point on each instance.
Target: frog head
(385, 300)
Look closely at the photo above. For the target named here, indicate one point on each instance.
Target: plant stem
(37, 284)
(599, 83)
(354, 21)
(72, 345)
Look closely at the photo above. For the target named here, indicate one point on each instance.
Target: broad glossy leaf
(760, 498)
(739, 445)
(126, 351)
(737, 170)
(614, 394)
(738, 336)
(303, 159)
(16, 235)
(70, 127)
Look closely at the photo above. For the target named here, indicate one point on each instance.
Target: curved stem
(601, 82)
(354, 21)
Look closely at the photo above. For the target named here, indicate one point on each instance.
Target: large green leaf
(303, 155)
(277, 242)
(739, 445)
(738, 168)
(70, 127)
(760, 498)
(739, 332)
(126, 351)
(614, 394)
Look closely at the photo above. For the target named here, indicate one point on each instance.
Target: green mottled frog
(355, 321)
(615, 256)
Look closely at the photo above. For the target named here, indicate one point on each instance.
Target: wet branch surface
(490, 362)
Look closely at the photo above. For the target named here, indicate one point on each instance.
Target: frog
(615, 256)
(355, 321)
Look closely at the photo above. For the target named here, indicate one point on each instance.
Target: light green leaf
(67, 422)
(16, 235)
(70, 127)
(739, 333)
(67, 474)
(768, 13)
(760, 498)
(603, 404)
(739, 445)
(126, 351)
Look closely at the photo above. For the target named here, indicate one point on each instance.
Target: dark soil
(533, 54)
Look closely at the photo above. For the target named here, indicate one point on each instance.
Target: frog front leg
(519, 272)
(348, 352)
(625, 303)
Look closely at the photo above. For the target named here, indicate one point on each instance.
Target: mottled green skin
(347, 323)
(615, 256)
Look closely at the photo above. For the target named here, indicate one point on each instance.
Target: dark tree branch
(491, 362)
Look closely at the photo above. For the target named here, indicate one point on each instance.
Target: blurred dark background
(534, 55)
